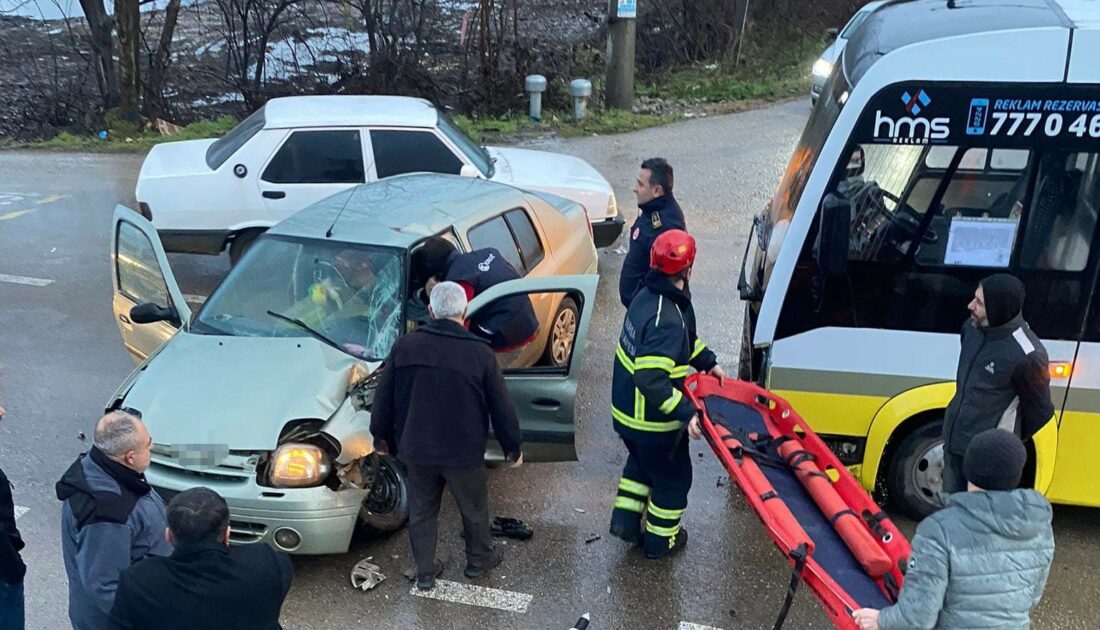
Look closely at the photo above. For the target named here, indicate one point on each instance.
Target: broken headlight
(299, 466)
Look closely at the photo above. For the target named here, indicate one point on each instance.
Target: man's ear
(228, 532)
(431, 313)
(168, 537)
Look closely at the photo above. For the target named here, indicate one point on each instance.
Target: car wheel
(563, 332)
(241, 243)
(386, 508)
(915, 477)
(744, 361)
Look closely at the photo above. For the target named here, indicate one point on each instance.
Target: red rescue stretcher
(838, 541)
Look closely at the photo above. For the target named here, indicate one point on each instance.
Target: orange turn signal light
(1060, 369)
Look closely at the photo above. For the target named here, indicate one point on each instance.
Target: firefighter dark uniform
(657, 347)
(657, 216)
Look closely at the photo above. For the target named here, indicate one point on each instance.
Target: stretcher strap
(836, 517)
(800, 554)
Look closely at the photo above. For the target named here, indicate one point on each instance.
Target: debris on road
(511, 528)
(578, 510)
(365, 575)
(621, 249)
(591, 538)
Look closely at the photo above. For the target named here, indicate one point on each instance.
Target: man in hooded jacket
(983, 561)
(1003, 378)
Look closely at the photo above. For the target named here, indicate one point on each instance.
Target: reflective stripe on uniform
(669, 404)
(630, 505)
(642, 425)
(669, 515)
(699, 347)
(666, 532)
(653, 361)
(633, 487)
(624, 360)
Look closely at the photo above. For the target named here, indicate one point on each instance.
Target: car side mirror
(149, 313)
(832, 245)
(832, 33)
(469, 170)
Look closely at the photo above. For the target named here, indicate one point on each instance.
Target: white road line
(34, 282)
(20, 511)
(458, 593)
(694, 626)
(194, 299)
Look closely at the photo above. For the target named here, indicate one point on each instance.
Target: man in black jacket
(659, 213)
(1003, 376)
(440, 389)
(12, 568)
(205, 583)
(508, 323)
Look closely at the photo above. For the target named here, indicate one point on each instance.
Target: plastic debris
(622, 249)
(591, 538)
(578, 510)
(365, 575)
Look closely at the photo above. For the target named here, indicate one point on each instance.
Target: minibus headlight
(822, 68)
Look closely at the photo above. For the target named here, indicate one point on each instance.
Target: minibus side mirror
(832, 33)
(832, 244)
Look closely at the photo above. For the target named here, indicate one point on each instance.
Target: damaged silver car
(264, 394)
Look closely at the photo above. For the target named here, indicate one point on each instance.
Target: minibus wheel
(915, 474)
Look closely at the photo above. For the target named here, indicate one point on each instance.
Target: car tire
(241, 243)
(915, 472)
(386, 508)
(744, 360)
(562, 335)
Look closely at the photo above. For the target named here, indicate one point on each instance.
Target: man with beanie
(1003, 378)
(659, 213)
(111, 518)
(982, 561)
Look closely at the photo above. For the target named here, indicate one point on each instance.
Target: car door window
(495, 233)
(331, 156)
(139, 275)
(530, 247)
(399, 151)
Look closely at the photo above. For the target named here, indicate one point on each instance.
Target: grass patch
(597, 121)
(714, 86)
(117, 141)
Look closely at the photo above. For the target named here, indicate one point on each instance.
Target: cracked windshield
(348, 296)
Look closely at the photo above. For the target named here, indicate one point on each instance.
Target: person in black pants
(440, 389)
(12, 568)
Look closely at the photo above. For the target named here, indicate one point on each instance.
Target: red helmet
(673, 251)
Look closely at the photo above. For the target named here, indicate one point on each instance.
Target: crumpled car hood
(237, 391)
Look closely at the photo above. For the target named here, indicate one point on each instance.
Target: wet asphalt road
(61, 358)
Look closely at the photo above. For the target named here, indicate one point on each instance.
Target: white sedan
(206, 195)
(823, 67)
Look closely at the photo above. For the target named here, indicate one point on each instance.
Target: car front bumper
(606, 231)
(323, 519)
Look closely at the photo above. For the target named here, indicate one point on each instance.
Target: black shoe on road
(678, 543)
(494, 561)
(427, 582)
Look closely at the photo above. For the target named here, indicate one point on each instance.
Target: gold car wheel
(565, 329)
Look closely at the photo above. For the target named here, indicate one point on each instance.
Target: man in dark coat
(439, 391)
(1003, 376)
(508, 323)
(659, 213)
(205, 583)
(12, 568)
(111, 517)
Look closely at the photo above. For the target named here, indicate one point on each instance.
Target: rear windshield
(227, 145)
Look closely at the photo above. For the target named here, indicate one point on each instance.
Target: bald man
(111, 516)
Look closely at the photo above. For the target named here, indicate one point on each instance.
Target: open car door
(148, 304)
(545, 395)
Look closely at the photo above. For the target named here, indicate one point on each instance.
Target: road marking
(50, 199)
(34, 282)
(694, 626)
(14, 215)
(457, 593)
(194, 299)
(20, 511)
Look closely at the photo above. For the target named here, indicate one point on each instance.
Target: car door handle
(122, 318)
(274, 194)
(546, 403)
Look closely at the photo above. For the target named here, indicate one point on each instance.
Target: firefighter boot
(658, 547)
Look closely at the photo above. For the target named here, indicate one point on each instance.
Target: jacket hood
(73, 482)
(1019, 514)
(1004, 298)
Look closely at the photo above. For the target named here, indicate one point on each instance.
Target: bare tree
(101, 26)
(247, 28)
(159, 59)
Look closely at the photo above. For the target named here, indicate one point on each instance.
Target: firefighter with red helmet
(657, 348)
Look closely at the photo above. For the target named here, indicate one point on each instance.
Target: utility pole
(622, 22)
